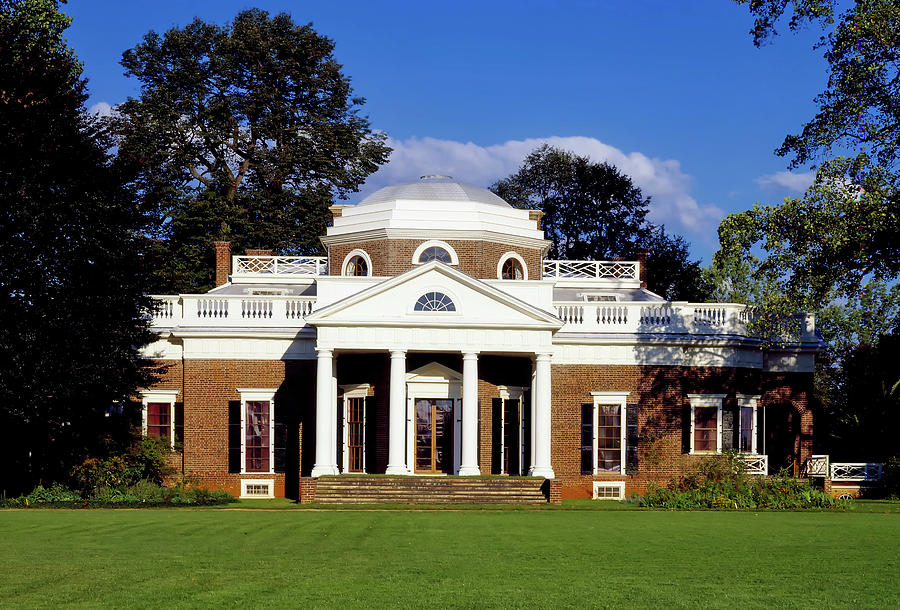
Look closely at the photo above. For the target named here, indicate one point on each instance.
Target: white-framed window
(434, 301)
(609, 490)
(747, 423)
(511, 266)
(354, 424)
(257, 430)
(257, 488)
(706, 423)
(599, 297)
(603, 433)
(267, 292)
(435, 250)
(509, 431)
(357, 264)
(158, 414)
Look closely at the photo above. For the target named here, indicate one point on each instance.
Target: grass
(567, 557)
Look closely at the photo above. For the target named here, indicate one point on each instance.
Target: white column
(540, 452)
(325, 415)
(469, 459)
(397, 415)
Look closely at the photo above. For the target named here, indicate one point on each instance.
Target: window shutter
(631, 438)
(234, 436)
(728, 429)
(280, 441)
(526, 431)
(587, 438)
(496, 436)
(179, 422)
(686, 429)
(369, 433)
(761, 431)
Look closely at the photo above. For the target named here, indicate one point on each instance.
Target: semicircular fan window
(434, 301)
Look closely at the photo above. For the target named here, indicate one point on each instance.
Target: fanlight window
(435, 253)
(512, 270)
(357, 266)
(434, 301)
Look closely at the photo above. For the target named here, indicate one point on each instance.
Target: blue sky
(673, 93)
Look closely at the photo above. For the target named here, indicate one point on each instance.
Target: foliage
(891, 476)
(721, 482)
(71, 286)
(593, 211)
(145, 460)
(141, 494)
(242, 132)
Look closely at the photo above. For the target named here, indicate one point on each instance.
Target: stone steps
(429, 490)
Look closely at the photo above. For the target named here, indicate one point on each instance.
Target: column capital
(324, 352)
(398, 353)
(542, 356)
(470, 355)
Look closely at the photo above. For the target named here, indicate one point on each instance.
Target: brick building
(435, 339)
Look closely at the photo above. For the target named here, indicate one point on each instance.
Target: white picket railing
(855, 471)
(596, 270)
(266, 266)
(756, 464)
(642, 317)
(230, 310)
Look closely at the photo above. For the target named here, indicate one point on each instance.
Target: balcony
(230, 311)
(276, 268)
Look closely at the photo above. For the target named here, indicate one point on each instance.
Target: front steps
(425, 490)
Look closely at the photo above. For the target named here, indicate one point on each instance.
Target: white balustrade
(643, 317)
(230, 311)
(756, 464)
(265, 266)
(165, 311)
(598, 270)
(855, 471)
(817, 466)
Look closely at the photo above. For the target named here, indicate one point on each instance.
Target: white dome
(434, 188)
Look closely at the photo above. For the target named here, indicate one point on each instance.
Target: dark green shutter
(761, 431)
(234, 436)
(587, 438)
(686, 429)
(728, 429)
(496, 436)
(179, 422)
(631, 438)
(280, 440)
(526, 431)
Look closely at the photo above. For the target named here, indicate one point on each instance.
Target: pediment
(476, 304)
(434, 371)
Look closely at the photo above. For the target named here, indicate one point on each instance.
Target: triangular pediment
(434, 371)
(474, 304)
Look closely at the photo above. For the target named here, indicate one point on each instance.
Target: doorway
(434, 436)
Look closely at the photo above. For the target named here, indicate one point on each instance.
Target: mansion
(435, 340)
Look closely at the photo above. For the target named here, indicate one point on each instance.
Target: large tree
(70, 281)
(243, 132)
(593, 211)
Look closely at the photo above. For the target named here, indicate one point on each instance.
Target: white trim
(505, 257)
(435, 243)
(619, 484)
(439, 382)
(609, 398)
(159, 396)
(353, 390)
(513, 392)
(707, 400)
(269, 483)
(362, 254)
(261, 395)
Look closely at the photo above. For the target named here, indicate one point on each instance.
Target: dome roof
(434, 188)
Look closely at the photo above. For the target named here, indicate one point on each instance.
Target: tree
(70, 281)
(593, 211)
(243, 132)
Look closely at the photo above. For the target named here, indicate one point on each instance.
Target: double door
(434, 436)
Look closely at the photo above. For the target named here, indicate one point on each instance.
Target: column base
(397, 470)
(542, 471)
(469, 471)
(329, 469)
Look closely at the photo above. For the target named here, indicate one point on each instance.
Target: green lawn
(559, 558)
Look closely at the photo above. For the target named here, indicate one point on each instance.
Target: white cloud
(795, 183)
(661, 179)
(101, 109)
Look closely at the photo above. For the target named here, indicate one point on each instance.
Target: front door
(434, 435)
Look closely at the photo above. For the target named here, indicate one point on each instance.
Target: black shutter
(369, 436)
(496, 436)
(280, 440)
(526, 432)
(686, 429)
(761, 431)
(179, 422)
(631, 438)
(587, 438)
(728, 429)
(234, 436)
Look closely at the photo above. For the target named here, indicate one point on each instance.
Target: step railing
(756, 464)
(855, 471)
(230, 310)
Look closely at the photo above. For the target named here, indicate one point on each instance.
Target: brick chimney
(642, 259)
(258, 253)
(223, 261)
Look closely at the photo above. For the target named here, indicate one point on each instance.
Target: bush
(891, 477)
(721, 482)
(144, 460)
(142, 494)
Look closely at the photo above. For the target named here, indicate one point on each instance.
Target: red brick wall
(394, 256)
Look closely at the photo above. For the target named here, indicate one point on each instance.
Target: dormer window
(435, 253)
(434, 301)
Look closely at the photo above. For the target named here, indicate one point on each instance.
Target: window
(256, 430)
(434, 301)
(608, 439)
(601, 298)
(355, 403)
(706, 423)
(357, 264)
(748, 424)
(435, 253)
(511, 266)
(161, 416)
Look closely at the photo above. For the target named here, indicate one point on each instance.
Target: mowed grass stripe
(411, 559)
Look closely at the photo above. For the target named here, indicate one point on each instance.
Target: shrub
(891, 476)
(140, 495)
(144, 460)
(721, 482)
